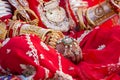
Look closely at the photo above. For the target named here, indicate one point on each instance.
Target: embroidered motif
(29, 53)
(111, 67)
(44, 46)
(33, 51)
(8, 51)
(42, 56)
(101, 47)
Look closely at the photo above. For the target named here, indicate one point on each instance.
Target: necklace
(53, 16)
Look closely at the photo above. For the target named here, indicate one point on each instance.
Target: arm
(98, 14)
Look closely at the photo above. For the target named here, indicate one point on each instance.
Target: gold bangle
(54, 37)
(18, 15)
(42, 33)
(90, 22)
(3, 31)
(80, 17)
(98, 14)
(15, 28)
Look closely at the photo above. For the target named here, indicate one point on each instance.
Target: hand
(70, 49)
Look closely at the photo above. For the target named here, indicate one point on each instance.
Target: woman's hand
(70, 49)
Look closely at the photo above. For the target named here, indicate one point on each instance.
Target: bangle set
(48, 36)
(96, 15)
(23, 12)
(3, 31)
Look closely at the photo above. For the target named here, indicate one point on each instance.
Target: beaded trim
(33, 52)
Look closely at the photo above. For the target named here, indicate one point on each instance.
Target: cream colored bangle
(98, 14)
(42, 33)
(80, 17)
(18, 11)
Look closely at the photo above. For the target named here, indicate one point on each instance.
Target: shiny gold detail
(80, 16)
(100, 13)
(3, 31)
(24, 14)
(54, 36)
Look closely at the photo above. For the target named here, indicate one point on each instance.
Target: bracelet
(3, 31)
(23, 14)
(81, 19)
(98, 14)
(52, 37)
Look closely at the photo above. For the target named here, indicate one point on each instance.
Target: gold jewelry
(98, 14)
(48, 36)
(53, 16)
(80, 16)
(43, 32)
(70, 49)
(23, 14)
(3, 31)
(53, 37)
(13, 26)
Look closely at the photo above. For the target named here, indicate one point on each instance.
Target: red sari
(27, 55)
(101, 54)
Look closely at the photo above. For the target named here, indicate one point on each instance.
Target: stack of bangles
(96, 15)
(3, 30)
(16, 28)
(23, 12)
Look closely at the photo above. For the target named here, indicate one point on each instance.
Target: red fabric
(33, 4)
(6, 17)
(97, 62)
(14, 53)
(101, 53)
